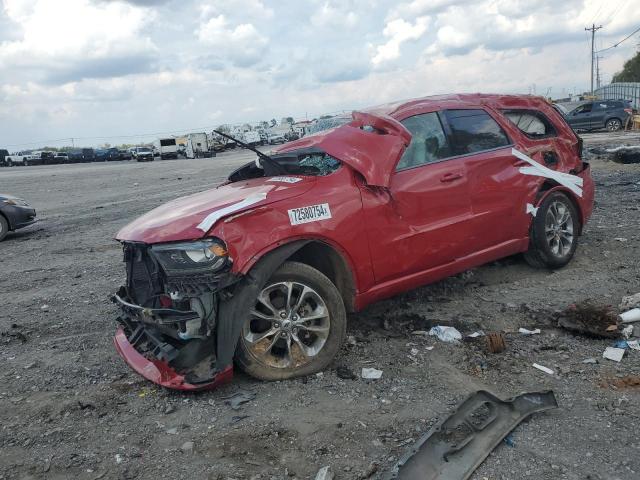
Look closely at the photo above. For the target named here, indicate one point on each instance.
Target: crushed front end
(169, 310)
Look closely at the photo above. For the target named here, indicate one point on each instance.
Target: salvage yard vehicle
(23, 158)
(597, 115)
(143, 154)
(166, 148)
(4, 162)
(15, 213)
(264, 268)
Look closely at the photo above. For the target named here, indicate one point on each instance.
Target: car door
(422, 220)
(580, 117)
(493, 182)
(598, 114)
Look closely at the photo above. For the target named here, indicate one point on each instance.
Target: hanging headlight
(203, 256)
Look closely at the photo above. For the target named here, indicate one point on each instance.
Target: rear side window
(428, 141)
(474, 131)
(586, 108)
(532, 123)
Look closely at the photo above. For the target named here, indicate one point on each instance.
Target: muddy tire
(296, 326)
(4, 227)
(554, 233)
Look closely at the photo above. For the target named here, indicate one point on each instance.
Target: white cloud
(398, 32)
(82, 39)
(334, 15)
(241, 44)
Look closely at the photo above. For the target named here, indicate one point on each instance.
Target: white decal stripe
(213, 217)
(572, 182)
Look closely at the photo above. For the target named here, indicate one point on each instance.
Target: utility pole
(598, 71)
(593, 31)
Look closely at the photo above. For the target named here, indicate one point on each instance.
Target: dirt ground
(71, 408)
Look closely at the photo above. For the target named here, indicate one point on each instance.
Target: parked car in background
(143, 154)
(23, 158)
(275, 138)
(15, 213)
(61, 157)
(265, 267)
(107, 154)
(596, 115)
(125, 154)
(4, 162)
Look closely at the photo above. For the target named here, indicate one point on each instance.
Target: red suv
(264, 268)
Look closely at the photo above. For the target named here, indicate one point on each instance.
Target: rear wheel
(296, 326)
(613, 124)
(554, 233)
(25, 162)
(4, 227)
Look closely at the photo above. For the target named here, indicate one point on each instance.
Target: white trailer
(166, 148)
(198, 145)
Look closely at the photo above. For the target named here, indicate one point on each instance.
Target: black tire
(4, 227)
(552, 245)
(613, 125)
(262, 366)
(25, 162)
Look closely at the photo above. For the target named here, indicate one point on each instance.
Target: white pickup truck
(24, 158)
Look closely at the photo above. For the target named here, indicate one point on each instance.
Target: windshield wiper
(266, 158)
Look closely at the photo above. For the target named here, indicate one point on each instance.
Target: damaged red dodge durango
(264, 268)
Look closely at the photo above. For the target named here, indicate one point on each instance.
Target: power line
(623, 40)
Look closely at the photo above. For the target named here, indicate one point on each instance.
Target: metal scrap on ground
(455, 447)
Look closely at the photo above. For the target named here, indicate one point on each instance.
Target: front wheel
(295, 327)
(554, 233)
(613, 125)
(4, 227)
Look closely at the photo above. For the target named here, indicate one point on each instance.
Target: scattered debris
(621, 344)
(544, 369)
(590, 360)
(239, 398)
(446, 334)
(627, 331)
(324, 473)
(119, 458)
(345, 373)
(477, 334)
(169, 409)
(187, 447)
(172, 431)
(633, 344)
(44, 307)
(455, 447)
(629, 302)
(622, 382)
(524, 331)
(613, 353)
(371, 374)
(239, 418)
(509, 440)
(589, 319)
(631, 316)
(496, 342)
(621, 239)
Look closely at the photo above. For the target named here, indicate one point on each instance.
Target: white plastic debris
(621, 239)
(629, 302)
(613, 353)
(119, 458)
(371, 374)
(429, 348)
(414, 351)
(446, 334)
(544, 369)
(590, 360)
(634, 344)
(524, 331)
(627, 331)
(631, 316)
(479, 333)
(324, 473)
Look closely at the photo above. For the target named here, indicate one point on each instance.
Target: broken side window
(428, 141)
(532, 123)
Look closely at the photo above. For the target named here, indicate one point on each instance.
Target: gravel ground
(69, 407)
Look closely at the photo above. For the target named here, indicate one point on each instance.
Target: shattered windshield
(323, 163)
(328, 123)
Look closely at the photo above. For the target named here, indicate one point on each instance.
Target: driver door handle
(450, 177)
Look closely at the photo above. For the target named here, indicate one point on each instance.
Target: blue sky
(115, 68)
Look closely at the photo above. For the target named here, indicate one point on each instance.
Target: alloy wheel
(559, 229)
(614, 125)
(288, 326)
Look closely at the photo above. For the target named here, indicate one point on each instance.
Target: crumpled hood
(191, 217)
(373, 152)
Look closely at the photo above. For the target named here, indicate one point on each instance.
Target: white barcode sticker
(312, 213)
